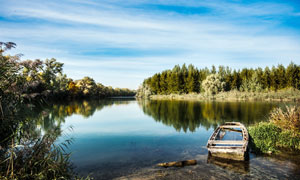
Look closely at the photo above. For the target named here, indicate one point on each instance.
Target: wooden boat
(229, 141)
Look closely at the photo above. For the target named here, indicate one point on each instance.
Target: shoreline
(288, 95)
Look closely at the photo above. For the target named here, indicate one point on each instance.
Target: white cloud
(67, 30)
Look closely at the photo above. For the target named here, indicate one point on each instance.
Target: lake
(126, 138)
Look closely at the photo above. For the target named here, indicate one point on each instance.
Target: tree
(192, 83)
(213, 84)
(51, 69)
(292, 75)
(183, 75)
(87, 86)
(163, 82)
(154, 83)
(266, 78)
(174, 81)
(252, 84)
(281, 74)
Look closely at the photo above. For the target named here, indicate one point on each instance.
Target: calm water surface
(127, 138)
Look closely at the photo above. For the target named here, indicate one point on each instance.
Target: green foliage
(264, 137)
(281, 132)
(36, 79)
(213, 84)
(182, 80)
(252, 84)
(287, 139)
(24, 152)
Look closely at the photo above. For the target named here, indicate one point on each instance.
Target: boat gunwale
(212, 140)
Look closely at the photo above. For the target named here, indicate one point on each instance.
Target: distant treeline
(35, 79)
(190, 79)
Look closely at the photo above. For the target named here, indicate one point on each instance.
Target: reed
(38, 159)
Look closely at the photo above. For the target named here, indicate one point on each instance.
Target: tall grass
(38, 159)
(288, 119)
(289, 94)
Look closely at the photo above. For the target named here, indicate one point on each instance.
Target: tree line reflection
(189, 115)
(182, 115)
(51, 116)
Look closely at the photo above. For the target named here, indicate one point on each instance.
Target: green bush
(269, 138)
(287, 139)
(264, 137)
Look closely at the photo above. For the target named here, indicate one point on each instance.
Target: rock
(178, 163)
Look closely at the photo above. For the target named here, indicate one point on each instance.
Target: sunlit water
(116, 138)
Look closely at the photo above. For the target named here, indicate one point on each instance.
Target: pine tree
(163, 83)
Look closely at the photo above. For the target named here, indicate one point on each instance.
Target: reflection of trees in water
(53, 115)
(189, 115)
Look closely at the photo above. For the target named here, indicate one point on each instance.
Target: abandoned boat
(229, 141)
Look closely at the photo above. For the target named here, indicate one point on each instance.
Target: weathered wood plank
(225, 147)
(235, 130)
(230, 126)
(225, 142)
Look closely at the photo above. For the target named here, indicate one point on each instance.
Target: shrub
(213, 84)
(288, 119)
(288, 140)
(283, 131)
(264, 137)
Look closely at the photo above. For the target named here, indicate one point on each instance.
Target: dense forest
(183, 80)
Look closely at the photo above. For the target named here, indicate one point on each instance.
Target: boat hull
(237, 155)
(230, 148)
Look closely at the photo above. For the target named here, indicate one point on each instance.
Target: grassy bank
(234, 95)
(281, 132)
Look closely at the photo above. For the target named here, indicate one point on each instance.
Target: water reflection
(189, 115)
(51, 116)
(114, 138)
(181, 115)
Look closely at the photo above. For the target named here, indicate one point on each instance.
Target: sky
(120, 43)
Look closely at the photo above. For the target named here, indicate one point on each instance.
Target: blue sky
(120, 43)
